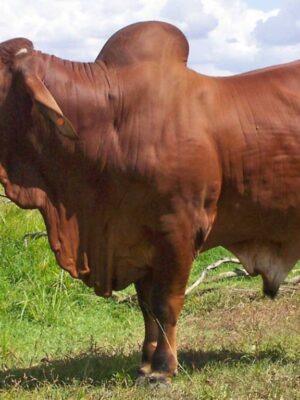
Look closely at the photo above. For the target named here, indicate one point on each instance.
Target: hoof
(141, 381)
(154, 380)
(145, 369)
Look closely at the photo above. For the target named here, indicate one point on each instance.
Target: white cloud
(210, 69)
(70, 28)
(283, 28)
(278, 38)
(190, 17)
(225, 36)
(231, 45)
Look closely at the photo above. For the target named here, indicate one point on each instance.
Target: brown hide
(155, 153)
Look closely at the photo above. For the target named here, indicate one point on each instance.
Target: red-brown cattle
(136, 162)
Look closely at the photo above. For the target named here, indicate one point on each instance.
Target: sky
(226, 36)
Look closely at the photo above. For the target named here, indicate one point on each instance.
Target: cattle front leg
(144, 293)
(166, 311)
(169, 283)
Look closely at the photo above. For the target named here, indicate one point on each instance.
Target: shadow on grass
(98, 369)
(92, 369)
(196, 360)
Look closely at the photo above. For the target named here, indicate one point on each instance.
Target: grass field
(59, 341)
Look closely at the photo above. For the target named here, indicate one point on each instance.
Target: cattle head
(21, 72)
(36, 143)
(28, 114)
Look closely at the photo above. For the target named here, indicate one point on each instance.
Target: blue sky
(225, 36)
(264, 5)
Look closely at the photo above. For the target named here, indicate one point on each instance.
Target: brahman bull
(136, 162)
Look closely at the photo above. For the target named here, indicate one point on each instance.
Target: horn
(21, 51)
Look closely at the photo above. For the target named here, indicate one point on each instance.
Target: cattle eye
(60, 121)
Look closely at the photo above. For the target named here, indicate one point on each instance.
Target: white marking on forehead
(21, 51)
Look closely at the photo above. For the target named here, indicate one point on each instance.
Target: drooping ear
(47, 105)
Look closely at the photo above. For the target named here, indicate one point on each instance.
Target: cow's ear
(47, 105)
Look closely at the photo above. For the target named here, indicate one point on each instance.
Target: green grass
(59, 341)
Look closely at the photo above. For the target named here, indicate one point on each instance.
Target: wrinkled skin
(137, 162)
